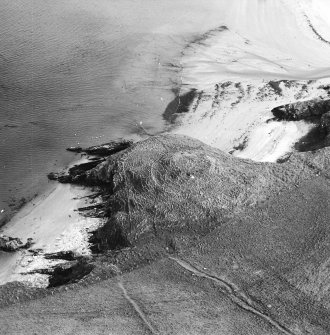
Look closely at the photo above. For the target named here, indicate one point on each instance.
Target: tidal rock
(8, 243)
(61, 177)
(302, 110)
(75, 174)
(75, 149)
(105, 149)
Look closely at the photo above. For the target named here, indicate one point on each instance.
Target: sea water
(82, 72)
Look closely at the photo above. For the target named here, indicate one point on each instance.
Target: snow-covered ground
(263, 54)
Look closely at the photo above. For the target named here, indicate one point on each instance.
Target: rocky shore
(253, 236)
(172, 184)
(8, 243)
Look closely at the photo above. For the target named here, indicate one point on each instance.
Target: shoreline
(40, 218)
(233, 115)
(160, 173)
(54, 223)
(50, 239)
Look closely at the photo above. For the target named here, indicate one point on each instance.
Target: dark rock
(11, 244)
(325, 87)
(105, 149)
(60, 177)
(96, 210)
(75, 149)
(275, 85)
(180, 104)
(109, 237)
(69, 273)
(66, 273)
(78, 169)
(316, 111)
(302, 110)
(108, 148)
(52, 176)
(66, 255)
(75, 174)
(318, 137)
(29, 243)
(91, 207)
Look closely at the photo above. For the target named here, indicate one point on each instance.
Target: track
(137, 310)
(235, 294)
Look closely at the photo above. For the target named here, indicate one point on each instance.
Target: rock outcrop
(174, 185)
(302, 110)
(8, 243)
(103, 149)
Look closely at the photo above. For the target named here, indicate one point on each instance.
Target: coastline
(54, 223)
(184, 214)
(94, 78)
(233, 116)
(217, 224)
